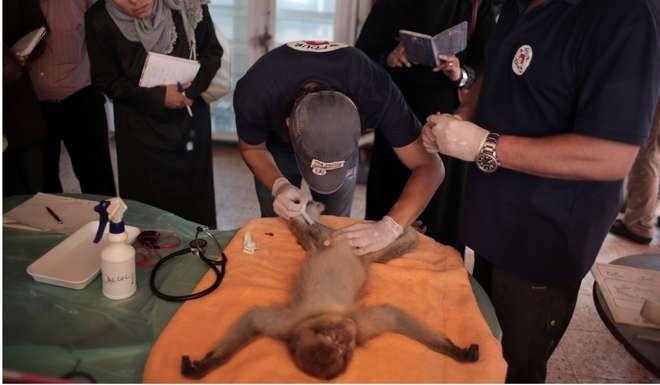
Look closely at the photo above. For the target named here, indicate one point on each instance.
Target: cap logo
(315, 46)
(321, 168)
(522, 59)
(319, 171)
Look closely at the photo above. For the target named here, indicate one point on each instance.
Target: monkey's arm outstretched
(374, 321)
(255, 322)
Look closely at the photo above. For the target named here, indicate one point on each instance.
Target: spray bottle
(118, 258)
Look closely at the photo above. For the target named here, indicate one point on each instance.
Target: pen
(52, 214)
(179, 88)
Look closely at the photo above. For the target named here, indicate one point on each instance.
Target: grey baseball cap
(324, 129)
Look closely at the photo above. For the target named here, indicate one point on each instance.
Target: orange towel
(430, 283)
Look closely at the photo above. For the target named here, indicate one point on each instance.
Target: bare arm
(427, 174)
(375, 321)
(567, 156)
(253, 323)
(261, 162)
(468, 107)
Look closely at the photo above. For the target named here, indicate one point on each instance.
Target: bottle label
(119, 280)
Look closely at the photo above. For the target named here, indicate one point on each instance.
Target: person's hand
(289, 200)
(398, 58)
(454, 137)
(372, 236)
(428, 137)
(450, 66)
(175, 99)
(21, 60)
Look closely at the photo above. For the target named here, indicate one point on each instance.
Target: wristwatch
(487, 157)
(462, 81)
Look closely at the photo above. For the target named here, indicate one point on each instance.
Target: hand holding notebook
(424, 49)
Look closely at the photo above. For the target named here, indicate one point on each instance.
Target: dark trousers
(23, 169)
(79, 122)
(533, 318)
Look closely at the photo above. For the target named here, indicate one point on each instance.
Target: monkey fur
(321, 324)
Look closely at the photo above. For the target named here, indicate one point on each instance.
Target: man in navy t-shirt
(300, 110)
(568, 96)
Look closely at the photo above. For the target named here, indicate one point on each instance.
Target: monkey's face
(322, 346)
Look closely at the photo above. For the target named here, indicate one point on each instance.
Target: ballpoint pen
(55, 216)
(179, 87)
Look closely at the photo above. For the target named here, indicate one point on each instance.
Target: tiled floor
(588, 353)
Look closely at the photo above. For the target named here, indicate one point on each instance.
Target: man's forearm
(260, 161)
(416, 194)
(567, 156)
(468, 107)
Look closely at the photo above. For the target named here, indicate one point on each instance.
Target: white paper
(32, 213)
(25, 45)
(162, 69)
(626, 289)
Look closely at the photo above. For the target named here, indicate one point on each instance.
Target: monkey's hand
(196, 369)
(252, 323)
(374, 321)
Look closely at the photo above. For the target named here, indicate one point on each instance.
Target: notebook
(162, 69)
(424, 49)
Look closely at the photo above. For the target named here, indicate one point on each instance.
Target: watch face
(487, 163)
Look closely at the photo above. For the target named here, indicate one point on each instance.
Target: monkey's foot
(192, 369)
(471, 354)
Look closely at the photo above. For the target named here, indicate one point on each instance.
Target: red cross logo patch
(522, 59)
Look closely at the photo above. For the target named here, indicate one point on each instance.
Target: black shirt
(264, 96)
(589, 67)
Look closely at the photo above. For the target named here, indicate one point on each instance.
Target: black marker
(52, 213)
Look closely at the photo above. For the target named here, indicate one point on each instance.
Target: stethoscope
(196, 247)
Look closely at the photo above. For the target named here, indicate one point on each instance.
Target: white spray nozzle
(116, 209)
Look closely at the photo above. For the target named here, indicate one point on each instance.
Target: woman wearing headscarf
(163, 153)
(426, 90)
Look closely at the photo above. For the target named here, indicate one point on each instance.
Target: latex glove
(457, 138)
(450, 66)
(428, 137)
(398, 58)
(289, 200)
(372, 236)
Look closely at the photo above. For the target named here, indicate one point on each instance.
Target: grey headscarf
(157, 32)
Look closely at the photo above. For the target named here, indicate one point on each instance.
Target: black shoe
(657, 223)
(619, 228)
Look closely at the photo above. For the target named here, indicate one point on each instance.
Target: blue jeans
(338, 203)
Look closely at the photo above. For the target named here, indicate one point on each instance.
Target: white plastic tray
(75, 261)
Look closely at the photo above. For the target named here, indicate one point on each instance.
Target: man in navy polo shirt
(299, 112)
(568, 97)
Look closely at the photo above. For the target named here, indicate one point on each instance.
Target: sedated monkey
(321, 324)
